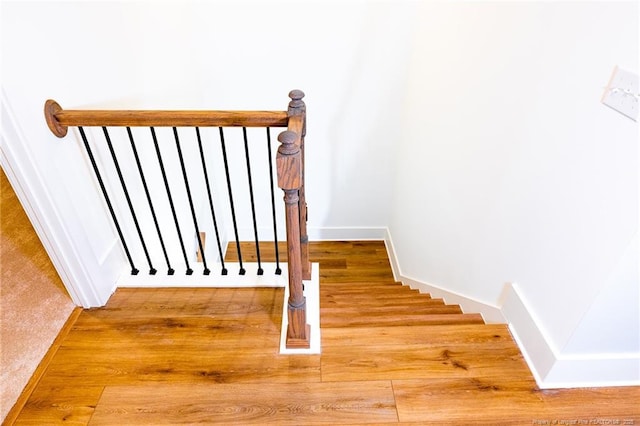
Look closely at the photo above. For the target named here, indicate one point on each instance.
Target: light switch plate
(621, 93)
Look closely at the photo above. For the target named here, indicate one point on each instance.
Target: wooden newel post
(289, 164)
(297, 107)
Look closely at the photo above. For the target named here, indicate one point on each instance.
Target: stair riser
(374, 311)
(325, 290)
(348, 303)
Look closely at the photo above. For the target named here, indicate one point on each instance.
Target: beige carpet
(33, 301)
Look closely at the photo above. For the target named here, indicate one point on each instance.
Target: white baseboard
(214, 279)
(491, 314)
(550, 368)
(535, 347)
(346, 233)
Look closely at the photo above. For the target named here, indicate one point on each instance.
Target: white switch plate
(621, 93)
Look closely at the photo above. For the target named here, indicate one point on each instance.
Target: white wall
(511, 171)
(349, 57)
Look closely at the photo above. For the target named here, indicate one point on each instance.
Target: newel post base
(298, 337)
(298, 331)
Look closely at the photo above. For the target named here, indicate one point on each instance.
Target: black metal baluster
(170, 270)
(273, 202)
(152, 270)
(253, 205)
(193, 211)
(173, 210)
(134, 270)
(233, 211)
(213, 214)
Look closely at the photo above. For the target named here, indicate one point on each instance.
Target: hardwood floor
(389, 356)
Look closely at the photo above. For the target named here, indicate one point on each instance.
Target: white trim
(490, 313)
(601, 371)
(553, 370)
(214, 279)
(346, 233)
(391, 254)
(533, 343)
(28, 184)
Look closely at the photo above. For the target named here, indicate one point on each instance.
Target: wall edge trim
(28, 185)
(553, 369)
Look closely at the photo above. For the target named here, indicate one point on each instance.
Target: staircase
(378, 301)
(375, 328)
(386, 304)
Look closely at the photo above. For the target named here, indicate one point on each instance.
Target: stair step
(330, 320)
(354, 275)
(372, 289)
(349, 300)
(375, 312)
(401, 335)
(370, 308)
(400, 298)
(360, 283)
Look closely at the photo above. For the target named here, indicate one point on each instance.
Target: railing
(290, 177)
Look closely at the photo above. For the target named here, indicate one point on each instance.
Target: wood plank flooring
(389, 356)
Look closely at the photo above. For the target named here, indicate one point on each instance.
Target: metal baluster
(152, 270)
(233, 212)
(170, 270)
(273, 203)
(253, 205)
(213, 214)
(134, 270)
(173, 210)
(193, 211)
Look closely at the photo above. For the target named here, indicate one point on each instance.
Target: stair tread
(405, 300)
(415, 335)
(398, 309)
(376, 293)
(365, 283)
(405, 319)
(372, 289)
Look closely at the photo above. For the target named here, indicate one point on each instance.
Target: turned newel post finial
(296, 105)
(288, 143)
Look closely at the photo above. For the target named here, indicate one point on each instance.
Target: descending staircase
(365, 293)
(386, 304)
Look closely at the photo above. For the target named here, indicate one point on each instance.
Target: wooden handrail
(59, 119)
